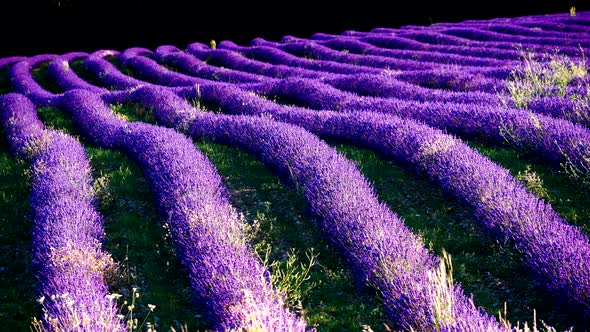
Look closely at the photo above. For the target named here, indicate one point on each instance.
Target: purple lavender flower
(557, 253)
(232, 287)
(379, 248)
(59, 70)
(22, 80)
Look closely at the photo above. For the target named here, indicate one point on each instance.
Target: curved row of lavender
(529, 242)
(22, 80)
(59, 69)
(355, 83)
(292, 151)
(508, 42)
(275, 56)
(245, 300)
(363, 230)
(459, 79)
(67, 230)
(314, 50)
(501, 203)
(363, 84)
(233, 288)
(557, 141)
(560, 142)
(6, 62)
(283, 88)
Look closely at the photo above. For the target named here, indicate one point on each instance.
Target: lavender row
(334, 62)
(59, 70)
(242, 291)
(553, 22)
(396, 43)
(433, 37)
(477, 34)
(365, 231)
(357, 46)
(22, 80)
(513, 28)
(248, 132)
(313, 49)
(233, 288)
(364, 84)
(67, 230)
(557, 253)
(234, 60)
(558, 141)
(275, 56)
(482, 80)
(455, 79)
(107, 73)
(6, 62)
(172, 56)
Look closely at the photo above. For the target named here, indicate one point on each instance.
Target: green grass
(41, 76)
(4, 82)
(17, 283)
(78, 68)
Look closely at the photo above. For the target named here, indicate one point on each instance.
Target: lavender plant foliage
(398, 42)
(313, 50)
(559, 142)
(59, 70)
(191, 65)
(379, 248)
(233, 288)
(539, 134)
(434, 37)
(107, 73)
(357, 46)
(9, 61)
(275, 56)
(150, 70)
(364, 84)
(473, 33)
(234, 60)
(67, 230)
(22, 80)
(557, 253)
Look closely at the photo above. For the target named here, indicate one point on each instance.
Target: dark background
(29, 27)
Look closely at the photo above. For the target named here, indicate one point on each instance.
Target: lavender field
(421, 178)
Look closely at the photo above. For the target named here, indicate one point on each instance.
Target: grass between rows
(331, 299)
(17, 298)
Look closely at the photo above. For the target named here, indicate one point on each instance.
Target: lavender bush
(67, 230)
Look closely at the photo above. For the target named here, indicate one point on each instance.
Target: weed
(549, 76)
(291, 275)
(533, 182)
